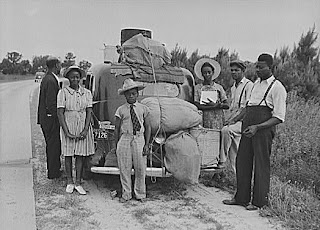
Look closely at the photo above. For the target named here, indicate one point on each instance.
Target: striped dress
(75, 104)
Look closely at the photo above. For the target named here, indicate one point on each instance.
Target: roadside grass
(54, 208)
(295, 162)
(63, 212)
(15, 77)
(166, 188)
(184, 213)
(298, 207)
(295, 167)
(296, 149)
(225, 180)
(142, 214)
(176, 208)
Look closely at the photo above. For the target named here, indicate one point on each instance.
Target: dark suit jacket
(47, 107)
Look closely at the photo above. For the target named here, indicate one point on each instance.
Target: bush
(300, 209)
(296, 148)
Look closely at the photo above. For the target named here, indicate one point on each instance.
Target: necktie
(135, 122)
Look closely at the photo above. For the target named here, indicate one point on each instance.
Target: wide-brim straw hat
(130, 84)
(74, 67)
(199, 64)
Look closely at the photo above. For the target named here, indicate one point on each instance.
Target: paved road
(17, 204)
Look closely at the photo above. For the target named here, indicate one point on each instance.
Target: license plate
(101, 134)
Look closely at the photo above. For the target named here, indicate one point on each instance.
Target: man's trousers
(230, 139)
(51, 132)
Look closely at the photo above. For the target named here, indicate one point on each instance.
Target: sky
(248, 27)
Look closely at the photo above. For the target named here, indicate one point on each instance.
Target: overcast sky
(82, 26)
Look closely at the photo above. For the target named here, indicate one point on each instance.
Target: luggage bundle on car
(180, 145)
(171, 114)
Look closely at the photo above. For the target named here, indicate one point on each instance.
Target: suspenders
(266, 93)
(242, 94)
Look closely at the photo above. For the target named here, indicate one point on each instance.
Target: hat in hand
(130, 84)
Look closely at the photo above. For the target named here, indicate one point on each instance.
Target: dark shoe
(122, 200)
(233, 202)
(251, 207)
(142, 200)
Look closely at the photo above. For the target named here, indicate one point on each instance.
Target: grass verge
(54, 208)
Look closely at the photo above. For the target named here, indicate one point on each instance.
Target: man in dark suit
(47, 116)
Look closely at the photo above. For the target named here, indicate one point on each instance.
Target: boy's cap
(238, 63)
(130, 84)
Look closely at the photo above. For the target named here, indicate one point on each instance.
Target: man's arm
(252, 129)
(212, 105)
(147, 136)
(238, 117)
(51, 98)
(201, 106)
(117, 130)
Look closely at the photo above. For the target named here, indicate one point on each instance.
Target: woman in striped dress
(74, 105)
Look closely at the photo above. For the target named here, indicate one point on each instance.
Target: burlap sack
(173, 114)
(182, 157)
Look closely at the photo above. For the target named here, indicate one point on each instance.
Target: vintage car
(163, 80)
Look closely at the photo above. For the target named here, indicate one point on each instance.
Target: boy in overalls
(265, 109)
(132, 136)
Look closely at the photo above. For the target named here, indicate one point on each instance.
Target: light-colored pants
(129, 153)
(230, 139)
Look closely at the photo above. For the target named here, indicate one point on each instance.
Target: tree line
(298, 69)
(14, 64)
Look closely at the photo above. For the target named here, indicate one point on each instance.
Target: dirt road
(170, 204)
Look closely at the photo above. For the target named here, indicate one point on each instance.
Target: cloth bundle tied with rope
(137, 50)
(173, 114)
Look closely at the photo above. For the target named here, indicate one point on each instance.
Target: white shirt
(236, 93)
(123, 112)
(276, 98)
(55, 76)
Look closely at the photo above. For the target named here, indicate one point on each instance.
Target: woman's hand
(71, 136)
(146, 150)
(83, 134)
(211, 103)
